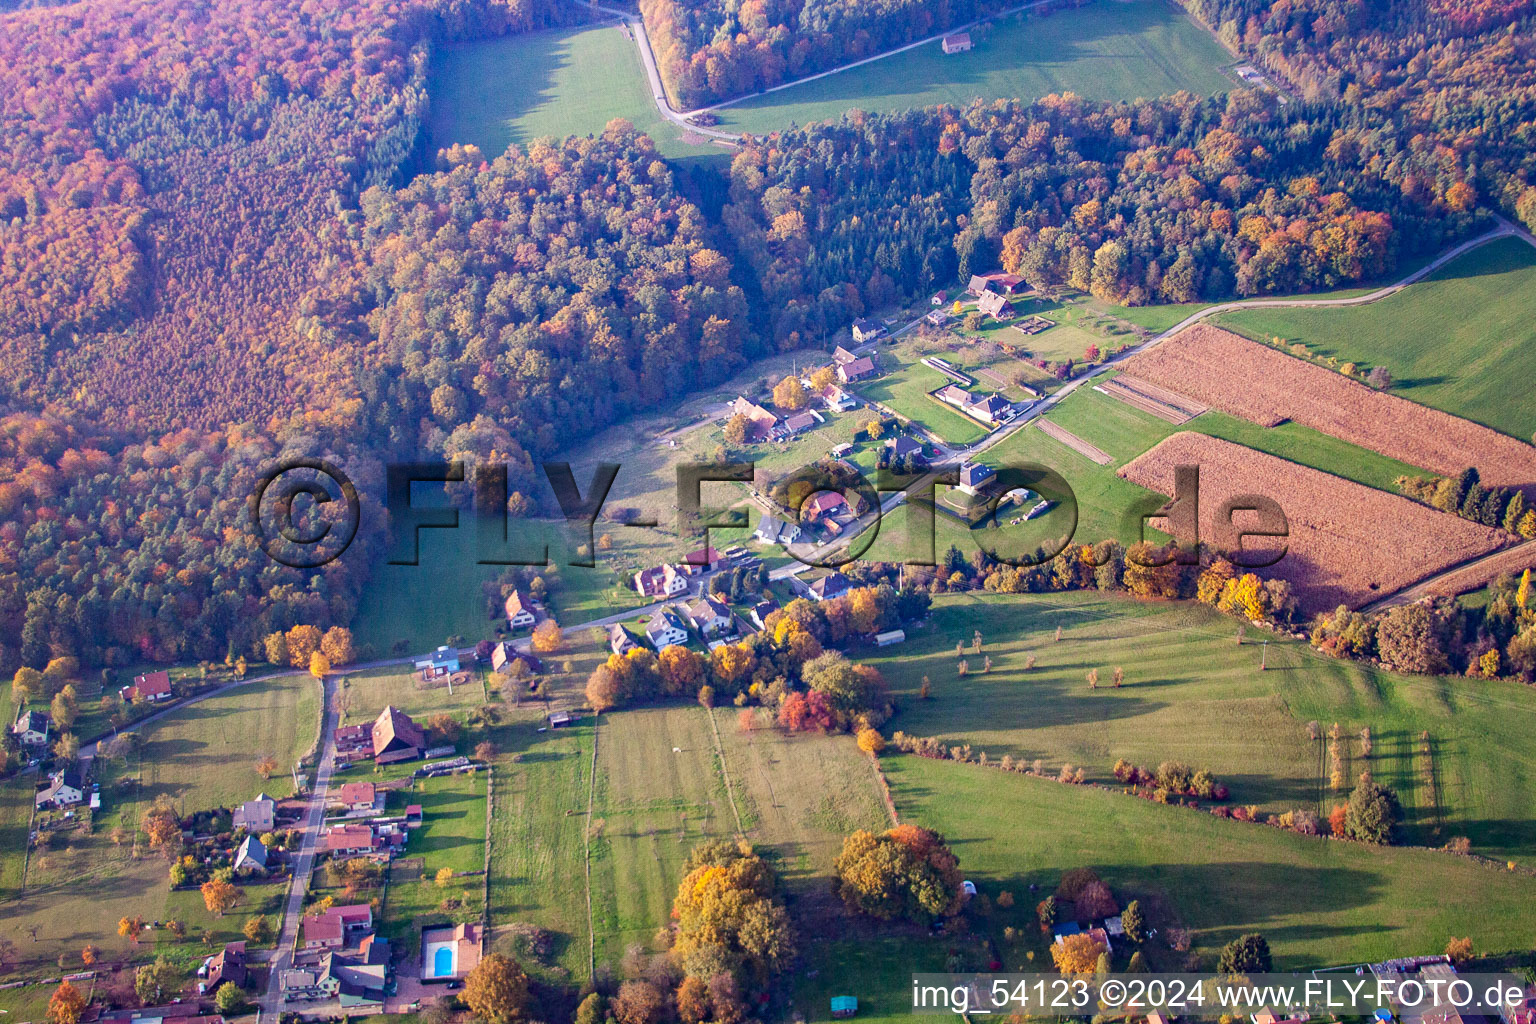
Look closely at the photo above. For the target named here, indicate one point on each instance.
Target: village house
(700, 561)
(830, 586)
(347, 841)
(799, 423)
(709, 616)
(822, 505)
(1006, 283)
(354, 741)
(979, 285)
(252, 856)
(256, 815)
(838, 400)
(760, 612)
(858, 369)
(396, 737)
(332, 929)
(773, 530)
(938, 298)
(763, 422)
(31, 729)
(841, 355)
(228, 964)
(867, 330)
(938, 318)
(358, 979)
(958, 42)
(64, 789)
(620, 640)
(360, 797)
(520, 610)
(504, 655)
(189, 1012)
(991, 410)
(441, 662)
(152, 687)
(665, 628)
(660, 581)
(995, 305)
(974, 476)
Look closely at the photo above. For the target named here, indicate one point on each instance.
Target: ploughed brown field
(1267, 387)
(1348, 543)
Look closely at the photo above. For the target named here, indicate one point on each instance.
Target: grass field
(15, 814)
(1192, 694)
(204, 755)
(559, 82)
(905, 390)
(1463, 340)
(1107, 50)
(452, 836)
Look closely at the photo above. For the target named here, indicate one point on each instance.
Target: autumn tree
(602, 690)
(682, 670)
(66, 1004)
(728, 916)
(1076, 954)
(319, 665)
(496, 991)
(737, 429)
(906, 872)
(257, 928)
(130, 928)
(219, 896)
(152, 981)
(162, 826)
(1246, 954)
(1459, 951)
(547, 636)
(789, 395)
(301, 642)
(638, 1002)
(229, 1000)
(336, 645)
(266, 765)
(871, 742)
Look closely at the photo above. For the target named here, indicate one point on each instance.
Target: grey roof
(973, 473)
(31, 721)
(900, 446)
(254, 851)
(664, 618)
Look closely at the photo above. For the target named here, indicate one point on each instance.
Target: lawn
(1463, 340)
(1107, 50)
(1192, 694)
(569, 81)
(905, 390)
(452, 836)
(15, 816)
(204, 755)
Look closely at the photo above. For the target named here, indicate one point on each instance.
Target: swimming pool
(440, 960)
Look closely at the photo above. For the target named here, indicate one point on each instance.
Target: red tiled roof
(357, 793)
(152, 684)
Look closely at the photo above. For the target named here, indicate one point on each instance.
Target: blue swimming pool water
(442, 962)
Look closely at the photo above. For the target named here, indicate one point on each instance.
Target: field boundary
(1149, 398)
(1059, 433)
(586, 850)
(725, 772)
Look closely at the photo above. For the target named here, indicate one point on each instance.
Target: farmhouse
(709, 616)
(799, 422)
(830, 586)
(991, 410)
(974, 476)
(64, 789)
(449, 954)
(773, 530)
(252, 856)
(841, 355)
(763, 422)
(520, 610)
(860, 368)
(504, 656)
(660, 581)
(1008, 284)
(959, 42)
(702, 560)
(620, 640)
(441, 662)
(228, 964)
(360, 797)
(152, 686)
(256, 815)
(31, 729)
(866, 330)
(821, 505)
(837, 399)
(665, 628)
(995, 305)
(396, 737)
(354, 741)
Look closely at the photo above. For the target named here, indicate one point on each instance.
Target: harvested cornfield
(1267, 387)
(1149, 398)
(1074, 442)
(1348, 543)
(1471, 576)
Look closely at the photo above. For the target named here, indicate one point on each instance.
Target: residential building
(504, 655)
(799, 422)
(31, 729)
(332, 929)
(938, 318)
(822, 504)
(228, 964)
(860, 368)
(841, 355)
(252, 856)
(837, 399)
(256, 815)
(763, 422)
(830, 586)
(1006, 283)
(958, 42)
(64, 789)
(702, 560)
(991, 410)
(620, 640)
(979, 285)
(867, 330)
(354, 740)
(899, 448)
(346, 841)
(938, 298)
(665, 628)
(995, 305)
(761, 611)
(709, 616)
(660, 581)
(974, 476)
(396, 737)
(520, 612)
(773, 530)
(358, 797)
(152, 686)
(441, 662)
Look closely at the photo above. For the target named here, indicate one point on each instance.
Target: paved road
(271, 1001)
